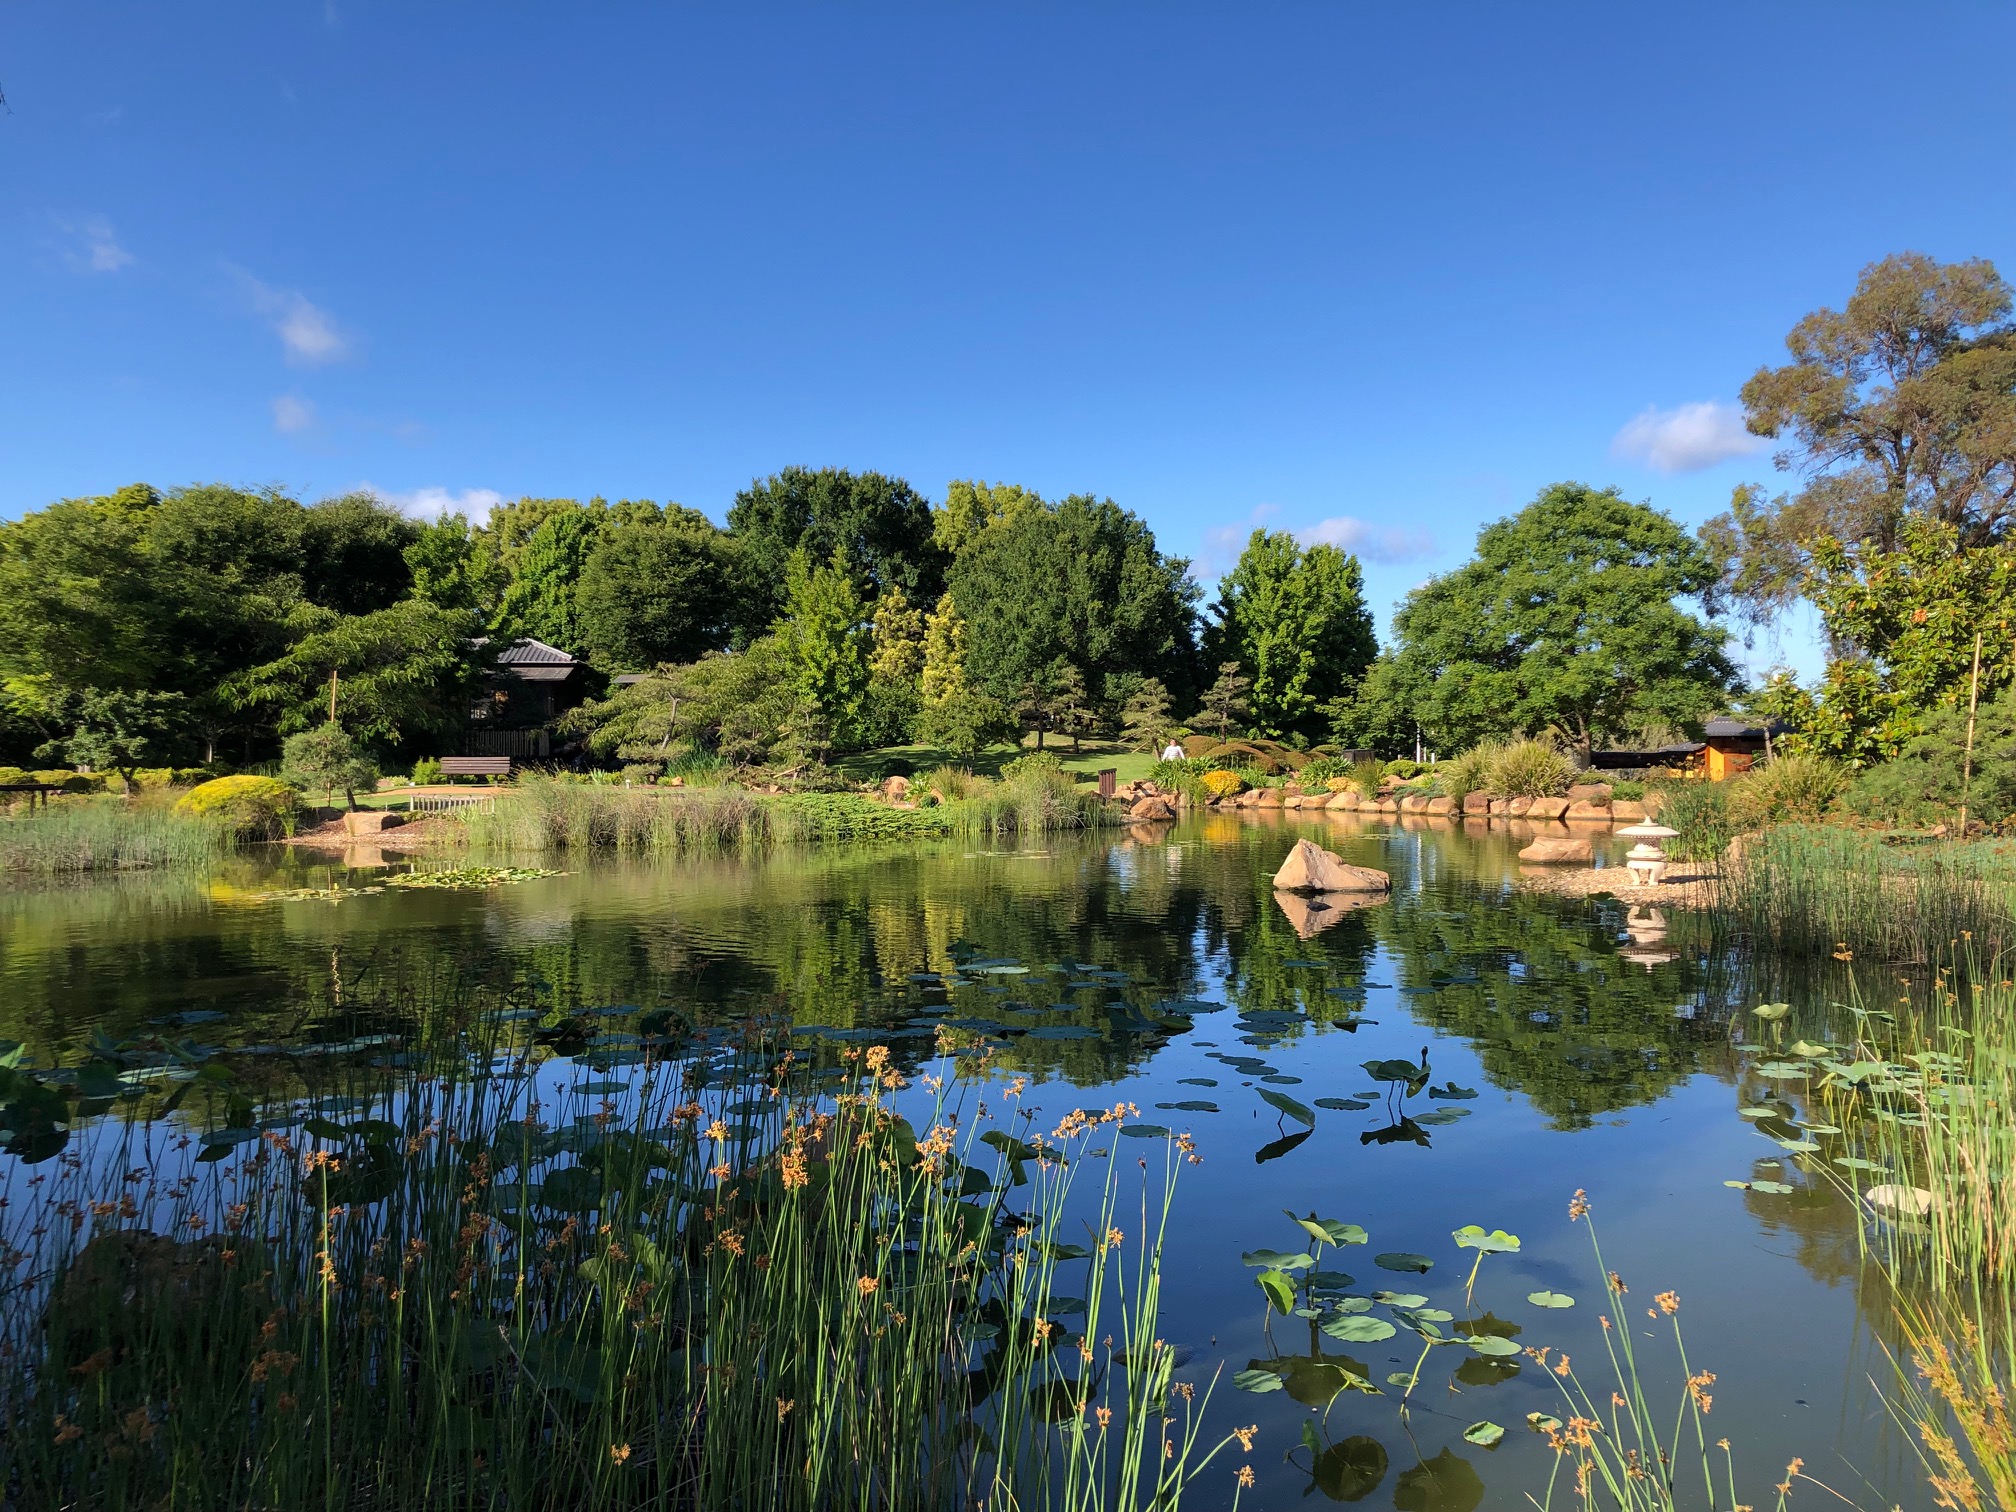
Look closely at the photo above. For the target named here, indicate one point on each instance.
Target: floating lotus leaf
(1274, 1259)
(1403, 1260)
(1358, 1328)
(1493, 1345)
(1257, 1381)
(1550, 1299)
(1483, 1435)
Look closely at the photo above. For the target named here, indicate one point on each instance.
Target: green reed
(544, 814)
(1807, 888)
(757, 1287)
(86, 834)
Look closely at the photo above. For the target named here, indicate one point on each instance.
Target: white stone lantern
(1647, 858)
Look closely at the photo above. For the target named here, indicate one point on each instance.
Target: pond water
(1576, 1045)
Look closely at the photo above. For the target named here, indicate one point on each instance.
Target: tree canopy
(663, 592)
(880, 526)
(1569, 619)
(1295, 620)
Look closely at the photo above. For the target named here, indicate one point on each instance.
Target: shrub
(256, 808)
(1223, 784)
(1787, 789)
(1699, 810)
(1460, 776)
(426, 772)
(9, 775)
(1200, 746)
(160, 777)
(1400, 766)
(1324, 771)
(1628, 789)
(1035, 764)
(71, 782)
(1923, 783)
(953, 782)
(1529, 769)
(1368, 776)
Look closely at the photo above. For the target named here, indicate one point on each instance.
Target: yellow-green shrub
(254, 807)
(1223, 784)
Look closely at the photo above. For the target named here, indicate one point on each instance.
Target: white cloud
(1687, 438)
(431, 503)
(92, 248)
(307, 332)
(293, 415)
(1373, 543)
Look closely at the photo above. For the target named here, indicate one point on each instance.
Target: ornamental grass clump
(1460, 776)
(708, 1276)
(1528, 769)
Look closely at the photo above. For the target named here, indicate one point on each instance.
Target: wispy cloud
(308, 333)
(89, 245)
(1687, 438)
(431, 503)
(293, 415)
(1373, 543)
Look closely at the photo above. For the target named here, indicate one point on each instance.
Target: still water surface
(1599, 1045)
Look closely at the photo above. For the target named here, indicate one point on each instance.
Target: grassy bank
(708, 1280)
(544, 814)
(106, 834)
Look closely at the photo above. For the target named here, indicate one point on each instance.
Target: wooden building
(1728, 748)
(530, 684)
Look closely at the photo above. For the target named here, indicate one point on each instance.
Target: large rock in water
(1551, 851)
(371, 821)
(1152, 808)
(1311, 869)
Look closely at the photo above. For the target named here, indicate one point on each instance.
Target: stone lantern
(1647, 858)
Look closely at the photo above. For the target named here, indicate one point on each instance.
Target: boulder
(1547, 808)
(1549, 850)
(1588, 808)
(1380, 806)
(1248, 799)
(1267, 798)
(1296, 800)
(1500, 807)
(1596, 791)
(1310, 868)
(1627, 810)
(1476, 803)
(1414, 803)
(1444, 806)
(1343, 802)
(1150, 809)
(896, 788)
(371, 821)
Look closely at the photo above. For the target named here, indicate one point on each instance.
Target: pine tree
(1146, 716)
(826, 645)
(1226, 699)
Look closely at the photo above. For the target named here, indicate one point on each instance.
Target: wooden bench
(475, 766)
(38, 792)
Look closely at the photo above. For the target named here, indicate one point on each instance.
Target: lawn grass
(1085, 763)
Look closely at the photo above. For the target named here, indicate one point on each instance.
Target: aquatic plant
(1700, 812)
(89, 834)
(710, 1275)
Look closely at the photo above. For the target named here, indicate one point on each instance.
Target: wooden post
(1108, 776)
(332, 695)
(1967, 760)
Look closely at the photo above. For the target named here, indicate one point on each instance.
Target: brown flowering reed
(1615, 1447)
(737, 1284)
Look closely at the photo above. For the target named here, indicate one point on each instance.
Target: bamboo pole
(1967, 758)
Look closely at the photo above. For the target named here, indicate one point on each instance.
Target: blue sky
(1374, 274)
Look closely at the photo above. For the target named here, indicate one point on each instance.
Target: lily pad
(1492, 1345)
(1359, 1328)
(1343, 1104)
(1274, 1259)
(1550, 1299)
(1483, 1435)
(1145, 1131)
(1258, 1381)
(1403, 1260)
(1288, 1105)
(1450, 1091)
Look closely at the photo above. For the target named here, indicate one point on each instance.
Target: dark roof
(1729, 727)
(625, 679)
(527, 652)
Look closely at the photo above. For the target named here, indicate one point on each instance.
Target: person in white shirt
(1172, 752)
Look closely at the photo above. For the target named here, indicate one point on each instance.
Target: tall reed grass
(542, 814)
(1810, 888)
(106, 834)
(726, 1284)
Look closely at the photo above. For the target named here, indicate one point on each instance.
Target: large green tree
(1571, 619)
(668, 592)
(880, 526)
(827, 638)
(1079, 581)
(1295, 620)
(1902, 405)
